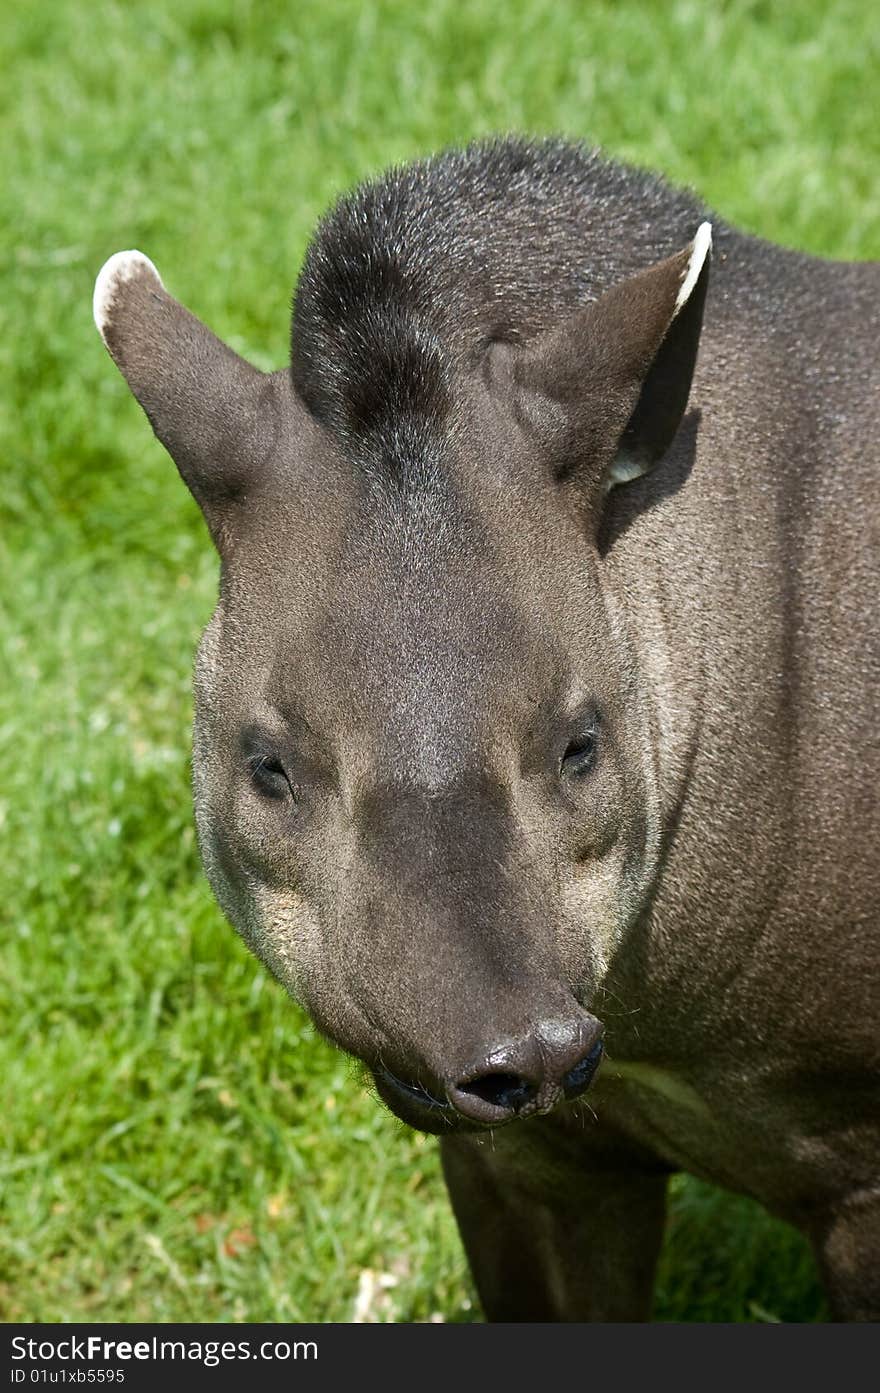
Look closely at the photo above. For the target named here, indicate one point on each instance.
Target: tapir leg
(561, 1243)
(848, 1252)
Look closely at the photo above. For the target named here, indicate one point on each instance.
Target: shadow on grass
(725, 1259)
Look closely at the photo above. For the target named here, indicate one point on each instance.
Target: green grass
(177, 1143)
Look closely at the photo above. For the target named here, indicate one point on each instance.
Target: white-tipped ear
(121, 267)
(620, 369)
(215, 414)
(700, 248)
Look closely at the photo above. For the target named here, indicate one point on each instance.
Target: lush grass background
(177, 1143)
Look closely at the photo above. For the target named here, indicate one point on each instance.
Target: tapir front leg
(550, 1240)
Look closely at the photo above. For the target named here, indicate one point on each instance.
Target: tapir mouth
(415, 1104)
(424, 1110)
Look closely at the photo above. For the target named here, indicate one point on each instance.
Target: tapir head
(425, 774)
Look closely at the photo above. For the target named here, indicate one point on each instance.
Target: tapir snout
(515, 1078)
(454, 965)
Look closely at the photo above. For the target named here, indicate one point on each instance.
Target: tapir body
(538, 718)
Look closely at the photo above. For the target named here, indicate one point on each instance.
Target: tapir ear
(617, 373)
(209, 408)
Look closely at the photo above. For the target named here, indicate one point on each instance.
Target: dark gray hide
(541, 697)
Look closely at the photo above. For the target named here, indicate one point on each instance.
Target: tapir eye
(580, 754)
(269, 776)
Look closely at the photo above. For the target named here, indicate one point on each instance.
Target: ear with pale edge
(616, 374)
(211, 410)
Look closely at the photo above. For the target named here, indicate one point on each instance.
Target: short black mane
(410, 276)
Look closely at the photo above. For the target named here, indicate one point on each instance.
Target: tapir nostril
(579, 1078)
(507, 1091)
(531, 1074)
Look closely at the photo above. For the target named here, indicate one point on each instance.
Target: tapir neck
(739, 566)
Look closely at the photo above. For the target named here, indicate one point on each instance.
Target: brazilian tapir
(538, 716)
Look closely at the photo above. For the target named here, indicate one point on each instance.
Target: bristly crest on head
(367, 357)
(408, 279)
